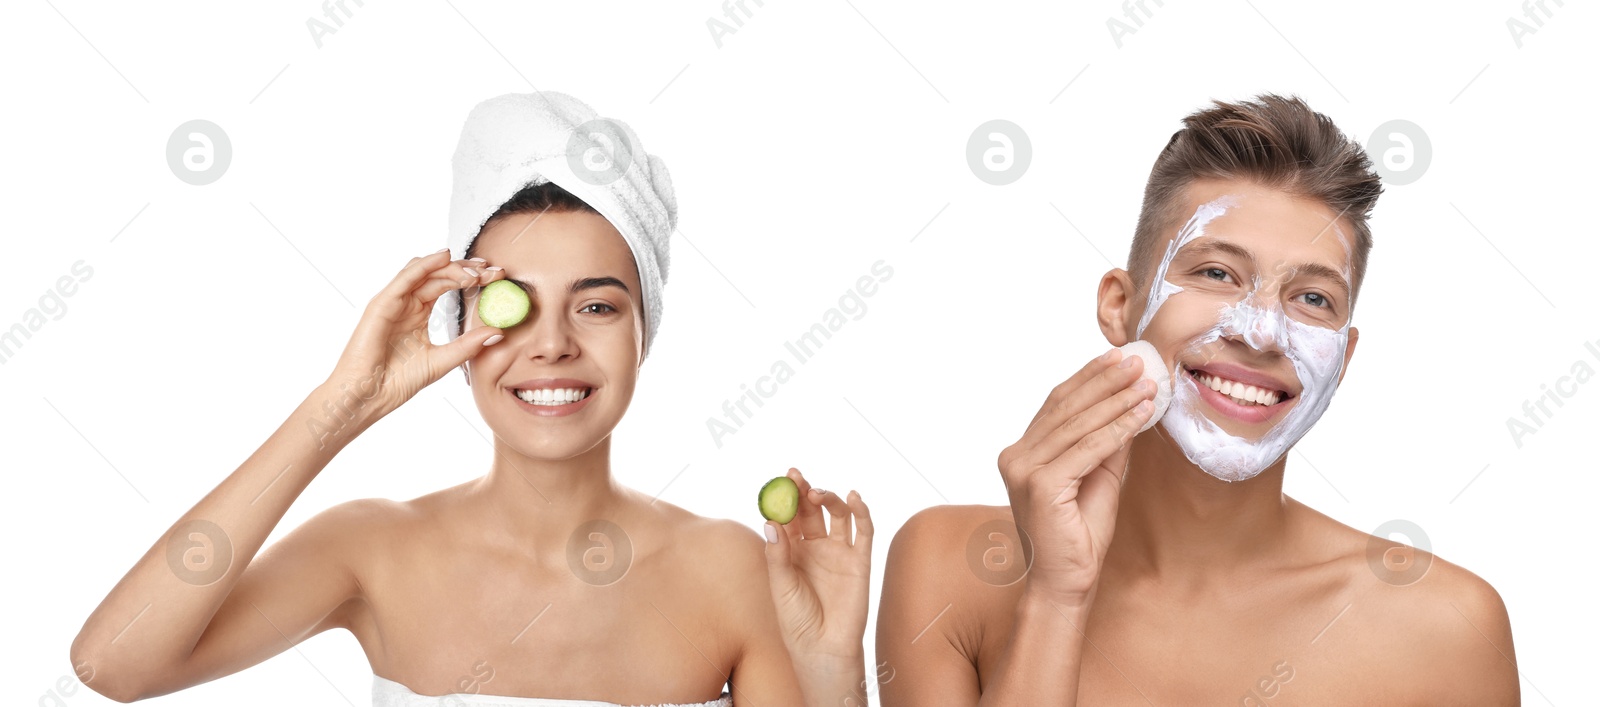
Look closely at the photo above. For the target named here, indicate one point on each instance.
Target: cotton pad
(1155, 371)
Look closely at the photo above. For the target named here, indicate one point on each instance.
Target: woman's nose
(550, 337)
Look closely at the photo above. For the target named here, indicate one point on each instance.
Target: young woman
(544, 582)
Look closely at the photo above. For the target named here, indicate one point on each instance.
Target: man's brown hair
(1274, 141)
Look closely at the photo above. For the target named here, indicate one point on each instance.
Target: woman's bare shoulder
(705, 539)
(360, 529)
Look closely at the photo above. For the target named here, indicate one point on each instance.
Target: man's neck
(1182, 526)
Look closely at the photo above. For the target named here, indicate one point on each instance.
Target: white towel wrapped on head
(520, 139)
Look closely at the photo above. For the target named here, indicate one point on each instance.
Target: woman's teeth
(553, 396)
(1241, 393)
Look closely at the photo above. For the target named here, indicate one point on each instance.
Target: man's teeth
(1241, 393)
(553, 396)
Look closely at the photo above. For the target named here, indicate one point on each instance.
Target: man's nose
(1260, 325)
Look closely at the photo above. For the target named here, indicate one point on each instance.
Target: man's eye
(1316, 300)
(608, 308)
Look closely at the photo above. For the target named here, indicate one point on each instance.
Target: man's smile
(1240, 393)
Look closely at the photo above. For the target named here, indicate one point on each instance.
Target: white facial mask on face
(1317, 354)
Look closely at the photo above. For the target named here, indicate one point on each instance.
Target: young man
(1218, 589)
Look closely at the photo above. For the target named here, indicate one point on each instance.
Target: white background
(819, 138)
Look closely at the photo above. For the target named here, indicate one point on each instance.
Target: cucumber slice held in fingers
(779, 500)
(502, 304)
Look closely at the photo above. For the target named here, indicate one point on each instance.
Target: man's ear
(1349, 350)
(1112, 307)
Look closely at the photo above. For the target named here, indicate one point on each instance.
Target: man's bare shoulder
(1449, 626)
(959, 550)
(952, 579)
(1439, 624)
(938, 534)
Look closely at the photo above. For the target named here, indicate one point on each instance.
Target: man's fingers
(1078, 427)
(1089, 370)
(1104, 443)
(1103, 384)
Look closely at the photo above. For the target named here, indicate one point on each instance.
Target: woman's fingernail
(493, 267)
(481, 260)
(1107, 355)
(820, 492)
(493, 339)
(1127, 362)
(441, 250)
(471, 272)
(772, 533)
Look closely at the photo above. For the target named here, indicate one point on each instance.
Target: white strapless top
(388, 693)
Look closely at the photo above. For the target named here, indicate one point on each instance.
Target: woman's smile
(552, 396)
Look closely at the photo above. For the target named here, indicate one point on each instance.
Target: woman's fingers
(464, 347)
(863, 522)
(848, 522)
(409, 277)
(436, 286)
(809, 518)
(464, 274)
(423, 277)
(780, 571)
(838, 514)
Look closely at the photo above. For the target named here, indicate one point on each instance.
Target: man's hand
(1064, 476)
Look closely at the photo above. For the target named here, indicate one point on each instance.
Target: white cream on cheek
(1317, 354)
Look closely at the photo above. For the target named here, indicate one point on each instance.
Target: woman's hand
(820, 577)
(389, 357)
(1064, 476)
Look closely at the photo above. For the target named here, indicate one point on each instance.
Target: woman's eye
(1216, 274)
(606, 307)
(1316, 300)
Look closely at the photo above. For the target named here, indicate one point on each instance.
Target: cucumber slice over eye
(779, 500)
(502, 303)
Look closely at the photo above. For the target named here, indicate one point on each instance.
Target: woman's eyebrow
(579, 285)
